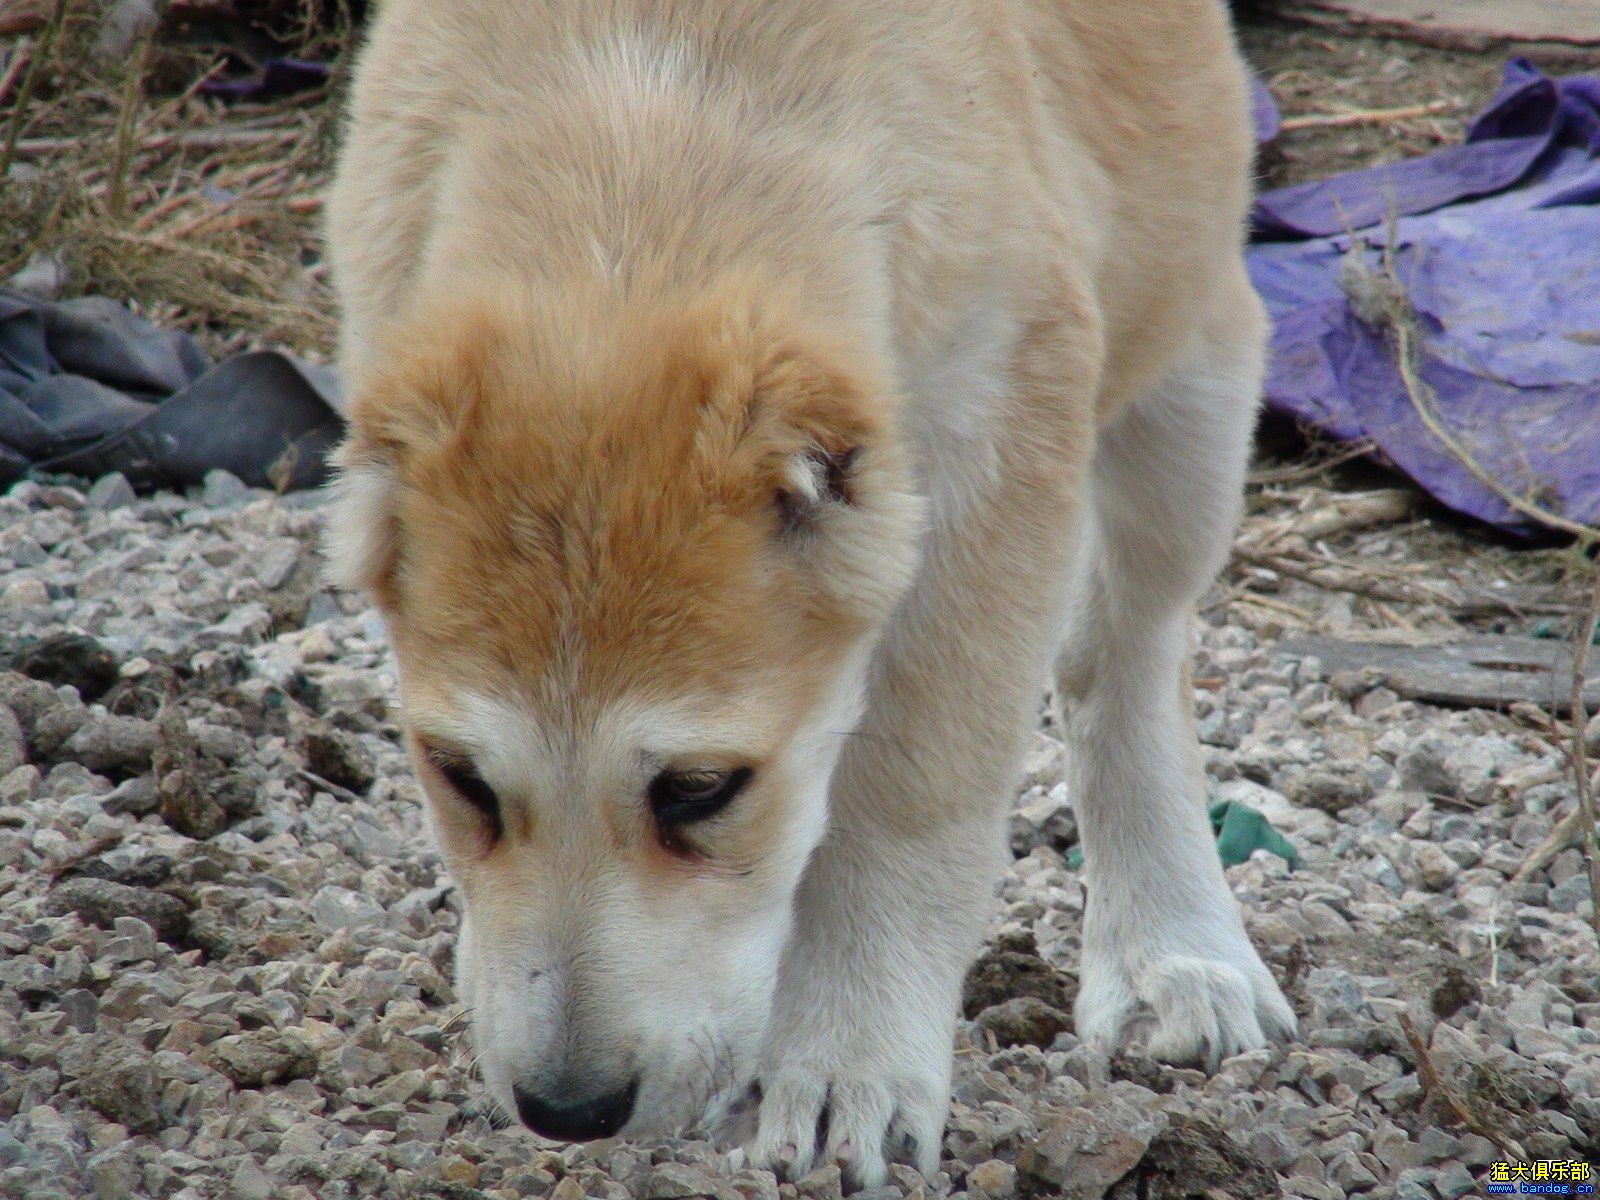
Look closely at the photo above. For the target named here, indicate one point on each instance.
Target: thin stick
(1365, 116)
(1422, 400)
(1303, 471)
(191, 139)
(127, 120)
(1433, 1084)
(47, 46)
(1401, 320)
(1483, 604)
(1580, 761)
(16, 64)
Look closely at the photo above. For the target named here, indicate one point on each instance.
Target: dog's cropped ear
(815, 427)
(401, 412)
(361, 532)
(815, 477)
(842, 497)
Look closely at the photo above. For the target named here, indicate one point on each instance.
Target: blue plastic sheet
(1497, 245)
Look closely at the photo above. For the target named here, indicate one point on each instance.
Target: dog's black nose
(572, 1119)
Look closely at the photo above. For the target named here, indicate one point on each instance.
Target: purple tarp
(1497, 243)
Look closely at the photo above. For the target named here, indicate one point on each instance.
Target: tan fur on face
(599, 496)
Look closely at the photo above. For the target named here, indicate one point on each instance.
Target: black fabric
(87, 388)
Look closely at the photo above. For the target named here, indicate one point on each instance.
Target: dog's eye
(465, 781)
(683, 797)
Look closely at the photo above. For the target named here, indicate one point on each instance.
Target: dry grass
(201, 213)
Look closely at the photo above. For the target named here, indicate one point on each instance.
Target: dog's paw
(858, 1117)
(1181, 1008)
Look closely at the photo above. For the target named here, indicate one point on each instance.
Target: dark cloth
(87, 387)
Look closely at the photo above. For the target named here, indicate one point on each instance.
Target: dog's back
(719, 128)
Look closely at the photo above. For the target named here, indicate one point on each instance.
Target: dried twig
(1434, 1084)
(1389, 293)
(1362, 510)
(127, 121)
(1422, 593)
(19, 114)
(1581, 781)
(189, 139)
(16, 63)
(1366, 116)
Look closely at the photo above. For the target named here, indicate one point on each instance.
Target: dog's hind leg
(1166, 959)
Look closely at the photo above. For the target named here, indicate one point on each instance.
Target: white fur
(1166, 956)
(962, 385)
(1042, 252)
(358, 533)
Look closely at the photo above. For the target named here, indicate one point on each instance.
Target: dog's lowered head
(633, 559)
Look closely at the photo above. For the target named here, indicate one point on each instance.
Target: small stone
(1454, 1180)
(1571, 896)
(338, 757)
(114, 745)
(250, 1182)
(19, 785)
(1436, 868)
(125, 1088)
(276, 561)
(1332, 788)
(136, 797)
(992, 1180)
(1347, 1170)
(340, 908)
(1046, 819)
(464, 1171)
(24, 593)
(1024, 1020)
(265, 1056)
(1083, 1151)
(13, 743)
(223, 489)
(109, 492)
(824, 1183)
(674, 1181)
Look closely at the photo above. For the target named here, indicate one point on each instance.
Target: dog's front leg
(887, 920)
(893, 905)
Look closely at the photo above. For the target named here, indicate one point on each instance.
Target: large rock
(101, 901)
(113, 745)
(1082, 1152)
(13, 743)
(265, 1056)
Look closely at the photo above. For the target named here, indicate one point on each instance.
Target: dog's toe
(861, 1123)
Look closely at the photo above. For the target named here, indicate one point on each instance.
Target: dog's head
(633, 562)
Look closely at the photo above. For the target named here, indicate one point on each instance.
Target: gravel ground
(227, 943)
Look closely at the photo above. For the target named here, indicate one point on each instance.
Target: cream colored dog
(753, 400)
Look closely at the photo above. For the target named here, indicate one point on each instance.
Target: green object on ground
(1548, 628)
(1240, 831)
